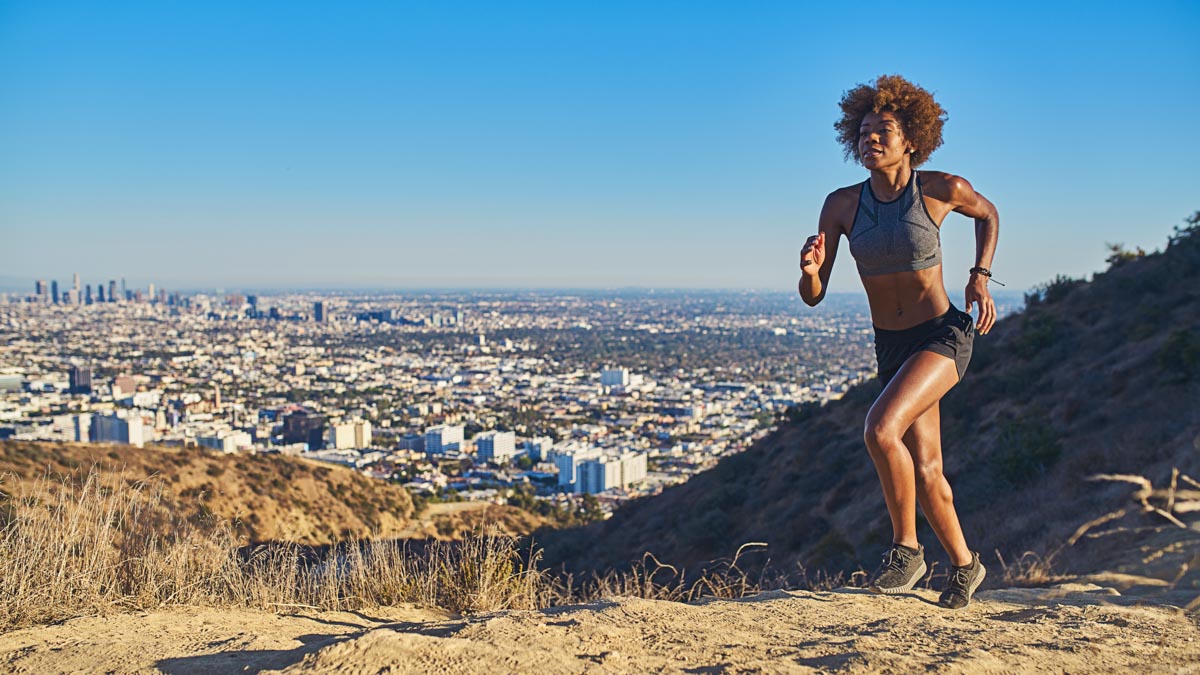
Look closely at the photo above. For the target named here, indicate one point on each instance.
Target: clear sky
(585, 144)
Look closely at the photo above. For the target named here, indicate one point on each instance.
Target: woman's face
(881, 141)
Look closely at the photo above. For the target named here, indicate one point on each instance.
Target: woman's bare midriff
(905, 299)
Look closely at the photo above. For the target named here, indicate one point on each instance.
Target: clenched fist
(813, 254)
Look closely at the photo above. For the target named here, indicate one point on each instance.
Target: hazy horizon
(22, 287)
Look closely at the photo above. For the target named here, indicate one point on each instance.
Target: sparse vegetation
(1052, 291)
(1026, 448)
(1118, 255)
(1039, 332)
(73, 546)
(1179, 355)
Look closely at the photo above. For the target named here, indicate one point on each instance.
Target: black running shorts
(951, 334)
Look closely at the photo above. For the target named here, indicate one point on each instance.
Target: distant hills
(1092, 377)
(269, 497)
(266, 497)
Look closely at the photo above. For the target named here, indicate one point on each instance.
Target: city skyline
(542, 146)
(13, 289)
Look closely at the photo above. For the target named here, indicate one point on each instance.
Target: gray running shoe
(962, 584)
(901, 569)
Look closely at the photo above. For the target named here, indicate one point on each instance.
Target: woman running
(922, 342)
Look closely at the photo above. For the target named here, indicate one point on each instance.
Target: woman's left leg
(919, 384)
(924, 440)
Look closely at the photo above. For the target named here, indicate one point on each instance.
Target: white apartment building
(597, 475)
(608, 472)
(498, 447)
(443, 438)
(567, 460)
(346, 435)
(539, 448)
(145, 399)
(633, 468)
(614, 377)
(226, 441)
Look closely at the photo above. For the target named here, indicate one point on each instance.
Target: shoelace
(894, 560)
(961, 577)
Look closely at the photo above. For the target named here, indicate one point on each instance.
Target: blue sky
(669, 144)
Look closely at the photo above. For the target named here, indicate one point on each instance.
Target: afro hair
(921, 118)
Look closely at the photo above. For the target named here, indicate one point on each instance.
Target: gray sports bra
(895, 236)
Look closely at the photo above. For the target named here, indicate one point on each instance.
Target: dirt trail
(1072, 628)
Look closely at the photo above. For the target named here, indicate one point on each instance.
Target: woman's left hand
(977, 293)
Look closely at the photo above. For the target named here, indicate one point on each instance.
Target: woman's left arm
(965, 200)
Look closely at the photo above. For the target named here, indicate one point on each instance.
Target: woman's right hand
(813, 254)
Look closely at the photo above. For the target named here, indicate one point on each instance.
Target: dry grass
(1028, 569)
(73, 547)
(95, 544)
(655, 580)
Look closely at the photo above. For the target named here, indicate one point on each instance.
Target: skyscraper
(81, 379)
(100, 292)
(88, 295)
(54, 291)
(319, 312)
(76, 284)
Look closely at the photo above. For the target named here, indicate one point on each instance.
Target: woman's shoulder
(845, 195)
(840, 208)
(943, 186)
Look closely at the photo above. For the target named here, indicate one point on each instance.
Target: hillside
(271, 497)
(1092, 377)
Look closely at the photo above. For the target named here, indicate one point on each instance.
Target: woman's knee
(881, 431)
(929, 476)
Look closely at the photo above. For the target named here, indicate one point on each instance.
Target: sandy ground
(1072, 628)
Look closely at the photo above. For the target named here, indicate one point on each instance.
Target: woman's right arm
(820, 250)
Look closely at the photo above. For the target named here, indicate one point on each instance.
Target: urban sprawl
(455, 394)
